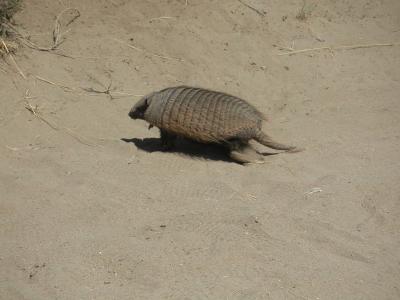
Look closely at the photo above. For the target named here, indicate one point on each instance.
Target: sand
(90, 209)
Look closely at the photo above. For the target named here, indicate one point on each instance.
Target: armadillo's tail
(265, 140)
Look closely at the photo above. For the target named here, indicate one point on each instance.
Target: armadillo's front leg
(167, 140)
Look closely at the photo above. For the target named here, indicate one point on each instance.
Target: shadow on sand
(183, 147)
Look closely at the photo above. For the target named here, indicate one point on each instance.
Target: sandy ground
(87, 215)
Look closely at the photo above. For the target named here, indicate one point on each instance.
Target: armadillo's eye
(142, 108)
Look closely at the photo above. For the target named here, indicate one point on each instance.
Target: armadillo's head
(139, 109)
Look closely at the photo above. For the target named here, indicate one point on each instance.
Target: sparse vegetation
(305, 11)
(8, 44)
(7, 10)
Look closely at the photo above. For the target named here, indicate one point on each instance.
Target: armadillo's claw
(295, 150)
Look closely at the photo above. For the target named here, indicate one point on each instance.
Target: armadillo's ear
(148, 101)
(142, 104)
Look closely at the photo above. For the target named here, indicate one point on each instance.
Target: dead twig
(261, 13)
(65, 88)
(147, 52)
(122, 94)
(313, 191)
(107, 91)
(161, 18)
(111, 92)
(35, 111)
(79, 137)
(333, 48)
(15, 149)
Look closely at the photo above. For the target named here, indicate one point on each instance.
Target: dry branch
(110, 92)
(253, 8)
(66, 88)
(291, 51)
(147, 52)
(107, 91)
(35, 111)
(161, 18)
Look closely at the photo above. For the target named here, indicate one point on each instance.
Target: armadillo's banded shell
(203, 115)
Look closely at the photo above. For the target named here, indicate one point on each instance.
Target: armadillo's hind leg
(167, 140)
(243, 153)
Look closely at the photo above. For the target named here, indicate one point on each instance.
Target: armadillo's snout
(139, 109)
(132, 114)
(135, 114)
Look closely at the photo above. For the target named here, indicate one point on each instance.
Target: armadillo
(207, 116)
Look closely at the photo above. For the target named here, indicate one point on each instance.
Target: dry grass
(58, 34)
(7, 46)
(6, 52)
(7, 10)
(305, 11)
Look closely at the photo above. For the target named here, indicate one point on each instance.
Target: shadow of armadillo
(183, 147)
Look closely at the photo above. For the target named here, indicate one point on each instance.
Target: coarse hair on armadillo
(202, 114)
